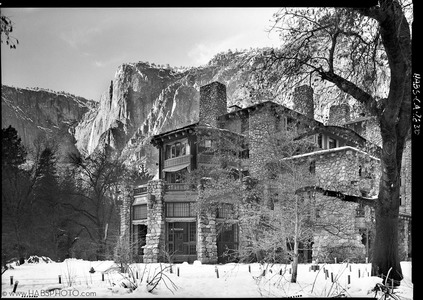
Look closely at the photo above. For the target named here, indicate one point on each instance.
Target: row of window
(176, 177)
(181, 209)
(177, 149)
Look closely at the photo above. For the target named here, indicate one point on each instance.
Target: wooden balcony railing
(140, 190)
(171, 162)
(169, 187)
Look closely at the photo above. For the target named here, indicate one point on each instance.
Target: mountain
(37, 113)
(142, 100)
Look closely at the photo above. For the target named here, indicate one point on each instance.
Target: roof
(271, 105)
(328, 151)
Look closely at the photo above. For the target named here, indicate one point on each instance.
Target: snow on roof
(326, 151)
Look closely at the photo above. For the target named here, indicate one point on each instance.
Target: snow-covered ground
(193, 280)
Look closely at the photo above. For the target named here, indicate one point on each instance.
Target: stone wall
(339, 114)
(347, 170)
(126, 197)
(155, 238)
(303, 100)
(336, 234)
(206, 238)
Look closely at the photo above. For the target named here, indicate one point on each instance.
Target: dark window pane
(167, 152)
(177, 149)
(332, 143)
(140, 212)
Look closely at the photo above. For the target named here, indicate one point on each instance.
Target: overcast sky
(78, 50)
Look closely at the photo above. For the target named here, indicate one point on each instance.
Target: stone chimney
(303, 100)
(339, 114)
(212, 102)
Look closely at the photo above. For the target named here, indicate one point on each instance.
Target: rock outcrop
(37, 113)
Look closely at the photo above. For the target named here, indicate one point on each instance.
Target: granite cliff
(37, 113)
(144, 99)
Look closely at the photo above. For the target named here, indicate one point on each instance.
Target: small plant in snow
(158, 277)
(69, 273)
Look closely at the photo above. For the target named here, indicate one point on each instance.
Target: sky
(78, 50)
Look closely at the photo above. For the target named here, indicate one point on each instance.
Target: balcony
(181, 160)
(140, 190)
(174, 187)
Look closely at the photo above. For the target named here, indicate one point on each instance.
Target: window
(176, 149)
(312, 167)
(331, 143)
(319, 140)
(180, 209)
(225, 210)
(181, 238)
(359, 212)
(176, 177)
(140, 212)
(245, 124)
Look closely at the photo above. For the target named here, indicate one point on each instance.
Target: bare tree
(98, 178)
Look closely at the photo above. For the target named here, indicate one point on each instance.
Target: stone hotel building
(161, 215)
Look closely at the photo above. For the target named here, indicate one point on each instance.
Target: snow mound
(34, 259)
(364, 285)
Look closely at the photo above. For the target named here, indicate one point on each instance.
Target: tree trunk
(295, 263)
(385, 252)
(296, 230)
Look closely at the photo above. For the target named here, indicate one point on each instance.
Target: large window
(180, 209)
(181, 238)
(177, 149)
(176, 177)
(227, 242)
(225, 210)
(140, 212)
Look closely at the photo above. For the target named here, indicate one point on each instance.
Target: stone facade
(336, 235)
(303, 100)
(207, 238)
(212, 103)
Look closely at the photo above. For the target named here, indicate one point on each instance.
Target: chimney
(339, 114)
(212, 102)
(303, 100)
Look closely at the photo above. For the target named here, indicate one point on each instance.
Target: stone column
(207, 238)
(125, 198)
(155, 238)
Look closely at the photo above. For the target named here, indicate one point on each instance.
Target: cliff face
(36, 113)
(142, 100)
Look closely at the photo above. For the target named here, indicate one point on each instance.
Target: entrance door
(181, 241)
